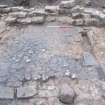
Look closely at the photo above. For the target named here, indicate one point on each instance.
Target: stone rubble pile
(78, 15)
(57, 91)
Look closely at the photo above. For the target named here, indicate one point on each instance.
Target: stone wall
(74, 14)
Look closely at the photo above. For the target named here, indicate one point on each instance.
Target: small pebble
(67, 73)
(74, 76)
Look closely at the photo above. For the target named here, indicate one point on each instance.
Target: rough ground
(36, 60)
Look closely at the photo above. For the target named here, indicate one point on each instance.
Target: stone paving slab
(26, 92)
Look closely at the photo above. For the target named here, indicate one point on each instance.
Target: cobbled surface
(40, 52)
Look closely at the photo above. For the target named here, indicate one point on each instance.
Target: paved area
(40, 52)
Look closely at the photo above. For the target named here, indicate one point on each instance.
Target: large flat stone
(26, 92)
(89, 59)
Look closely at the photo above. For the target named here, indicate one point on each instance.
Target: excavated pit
(49, 56)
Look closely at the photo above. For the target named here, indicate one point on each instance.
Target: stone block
(67, 4)
(26, 92)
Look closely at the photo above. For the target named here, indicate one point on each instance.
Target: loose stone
(38, 19)
(66, 94)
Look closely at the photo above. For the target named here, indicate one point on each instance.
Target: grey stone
(27, 76)
(65, 19)
(5, 10)
(64, 11)
(14, 83)
(92, 22)
(77, 15)
(18, 14)
(48, 93)
(2, 26)
(77, 9)
(67, 73)
(26, 92)
(66, 94)
(36, 76)
(10, 19)
(52, 9)
(88, 2)
(88, 59)
(37, 12)
(78, 22)
(104, 11)
(24, 21)
(16, 9)
(88, 101)
(6, 93)
(51, 18)
(3, 6)
(29, 9)
(38, 20)
(94, 12)
(40, 12)
(67, 4)
(74, 76)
